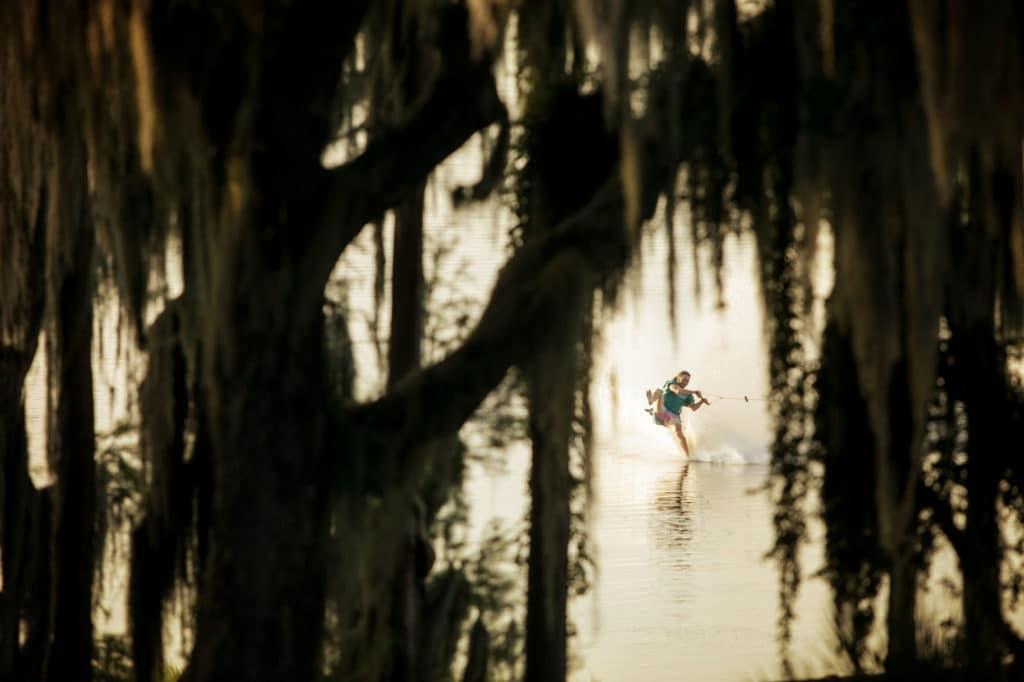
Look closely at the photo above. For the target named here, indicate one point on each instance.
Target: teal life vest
(674, 402)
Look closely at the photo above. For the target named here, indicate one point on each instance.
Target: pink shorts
(667, 417)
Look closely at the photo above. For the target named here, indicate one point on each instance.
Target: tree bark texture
(551, 391)
(404, 350)
(71, 448)
(71, 441)
(22, 304)
(261, 613)
(262, 606)
(571, 156)
(980, 380)
(25, 546)
(890, 265)
(406, 336)
(982, 556)
(24, 539)
(159, 542)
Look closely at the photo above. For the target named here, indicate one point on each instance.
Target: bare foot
(650, 398)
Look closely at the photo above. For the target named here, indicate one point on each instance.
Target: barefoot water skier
(671, 399)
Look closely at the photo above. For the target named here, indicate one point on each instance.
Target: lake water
(682, 588)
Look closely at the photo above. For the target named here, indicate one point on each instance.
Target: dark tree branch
(592, 243)
(26, 330)
(464, 100)
(305, 47)
(528, 294)
(37, 260)
(494, 169)
(268, 73)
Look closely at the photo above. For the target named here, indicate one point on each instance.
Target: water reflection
(683, 590)
(670, 521)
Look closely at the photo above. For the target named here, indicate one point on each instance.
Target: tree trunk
(571, 156)
(982, 603)
(19, 500)
(552, 384)
(262, 608)
(158, 542)
(982, 384)
(980, 381)
(404, 351)
(32, 571)
(22, 303)
(889, 266)
(407, 289)
(71, 442)
(404, 357)
(477, 659)
(900, 620)
(896, 478)
(19, 516)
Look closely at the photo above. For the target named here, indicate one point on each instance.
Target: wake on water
(726, 453)
(723, 437)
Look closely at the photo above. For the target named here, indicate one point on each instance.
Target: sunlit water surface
(682, 590)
